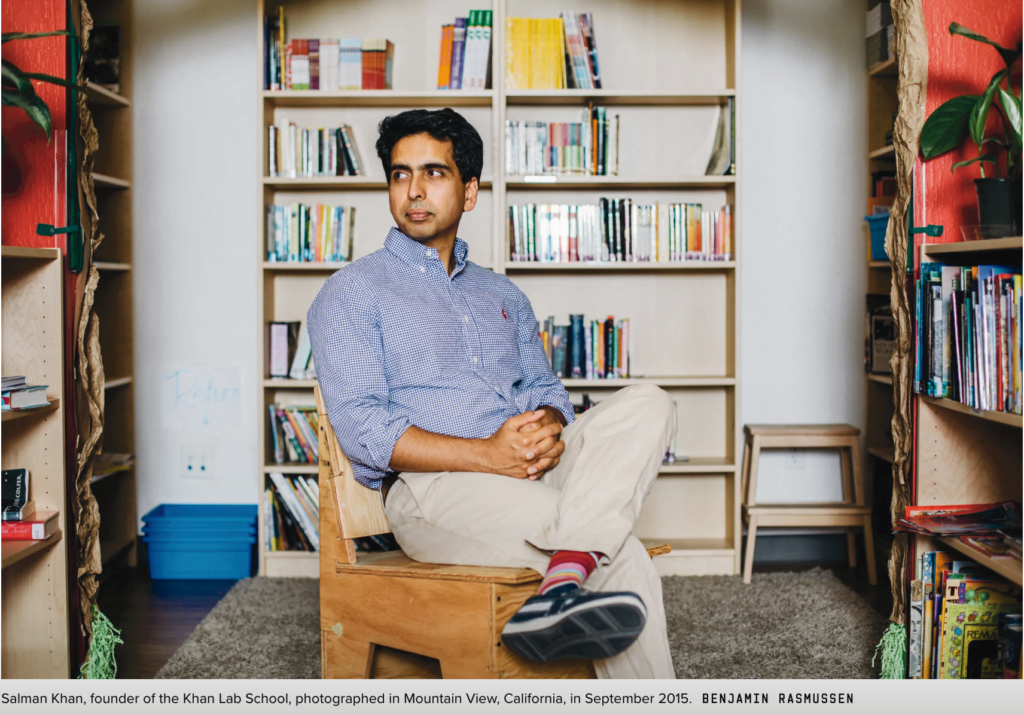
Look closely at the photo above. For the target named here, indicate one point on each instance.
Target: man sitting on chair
(439, 391)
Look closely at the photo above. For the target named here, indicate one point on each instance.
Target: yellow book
(559, 63)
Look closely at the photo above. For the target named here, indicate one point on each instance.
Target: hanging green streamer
(101, 664)
(893, 648)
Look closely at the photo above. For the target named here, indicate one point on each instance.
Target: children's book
(971, 638)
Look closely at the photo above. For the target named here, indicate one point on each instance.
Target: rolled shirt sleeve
(539, 385)
(344, 333)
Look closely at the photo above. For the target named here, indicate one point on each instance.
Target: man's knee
(656, 401)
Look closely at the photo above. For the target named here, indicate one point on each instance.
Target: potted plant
(999, 194)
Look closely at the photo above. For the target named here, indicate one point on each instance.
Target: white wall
(196, 213)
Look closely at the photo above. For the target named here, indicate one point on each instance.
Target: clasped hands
(527, 445)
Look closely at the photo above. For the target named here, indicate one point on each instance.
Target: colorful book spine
(458, 52)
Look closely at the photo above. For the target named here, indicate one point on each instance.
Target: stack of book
(292, 509)
(598, 350)
(302, 233)
(17, 394)
(969, 335)
(552, 53)
(293, 152)
(465, 59)
(698, 235)
(293, 434)
(589, 147)
(21, 521)
(960, 519)
(965, 622)
(879, 32)
(327, 64)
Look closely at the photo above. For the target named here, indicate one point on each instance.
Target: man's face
(426, 193)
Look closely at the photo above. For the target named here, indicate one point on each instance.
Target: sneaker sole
(595, 631)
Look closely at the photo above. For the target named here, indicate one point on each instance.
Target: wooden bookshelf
(34, 600)
(964, 455)
(114, 297)
(695, 357)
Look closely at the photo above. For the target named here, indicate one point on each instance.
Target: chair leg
(748, 562)
(851, 547)
(345, 658)
(869, 551)
(745, 474)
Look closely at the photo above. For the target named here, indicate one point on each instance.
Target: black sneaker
(576, 624)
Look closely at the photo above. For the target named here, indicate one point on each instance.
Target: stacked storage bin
(200, 541)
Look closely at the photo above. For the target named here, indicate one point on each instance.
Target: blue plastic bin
(200, 541)
(878, 224)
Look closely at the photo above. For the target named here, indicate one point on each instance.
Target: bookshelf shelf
(102, 181)
(880, 379)
(377, 98)
(338, 182)
(624, 98)
(697, 370)
(118, 382)
(29, 253)
(983, 246)
(659, 381)
(886, 454)
(886, 152)
(102, 97)
(112, 266)
(1005, 418)
(553, 182)
(9, 415)
(623, 267)
(879, 265)
(15, 551)
(106, 475)
(1008, 568)
(883, 69)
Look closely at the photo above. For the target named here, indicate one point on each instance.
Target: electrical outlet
(796, 459)
(197, 461)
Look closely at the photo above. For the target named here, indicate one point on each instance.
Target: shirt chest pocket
(496, 325)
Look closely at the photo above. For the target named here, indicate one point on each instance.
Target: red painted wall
(34, 201)
(957, 66)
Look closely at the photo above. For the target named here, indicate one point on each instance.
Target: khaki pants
(589, 502)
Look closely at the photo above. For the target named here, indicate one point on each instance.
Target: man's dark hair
(443, 125)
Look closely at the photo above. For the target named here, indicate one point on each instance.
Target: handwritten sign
(201, 398)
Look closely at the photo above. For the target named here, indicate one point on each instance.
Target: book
(551, 53)
(303, 353)
(286, 491)
(282, 340)
(971, 631)
(14, 493)
(960, 519)
(13, 382)
(444, 62)
(310, 233)
(534, 148)
(595, 350)
(458, 52)
(350, 63)
(24, 398)
(294, 151)
(722, 161)
(38, 526)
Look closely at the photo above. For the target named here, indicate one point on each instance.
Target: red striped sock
(568, 570)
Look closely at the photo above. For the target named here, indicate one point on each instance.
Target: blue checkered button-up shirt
(396, 342)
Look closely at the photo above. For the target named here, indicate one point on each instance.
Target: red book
(36, 528)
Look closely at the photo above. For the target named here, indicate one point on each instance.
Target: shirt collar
(416, 254)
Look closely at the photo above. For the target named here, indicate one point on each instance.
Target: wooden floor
(156, 617)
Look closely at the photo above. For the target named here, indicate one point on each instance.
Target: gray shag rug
(783, 625)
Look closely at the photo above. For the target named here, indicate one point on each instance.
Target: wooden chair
(387, 616)
(852, 512)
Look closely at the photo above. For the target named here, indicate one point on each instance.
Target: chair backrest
(359, 510)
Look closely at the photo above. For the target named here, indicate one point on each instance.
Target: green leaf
(982, 108)
(1009, 55)
(947, 126)
(32, 105)
(1012, 109)
(987, 158)
(53, 80)
(13, 77)
(8, 36)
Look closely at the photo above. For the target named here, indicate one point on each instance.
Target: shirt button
(475, 360)
(466, 318)
(423, 269)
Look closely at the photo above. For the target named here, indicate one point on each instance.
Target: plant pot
(999, 206)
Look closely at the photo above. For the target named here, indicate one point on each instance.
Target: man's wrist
(554, 412)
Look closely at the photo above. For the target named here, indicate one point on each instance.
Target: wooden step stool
(852, 512)
(388, 616)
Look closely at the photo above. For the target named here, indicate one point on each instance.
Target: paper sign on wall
(201, 397)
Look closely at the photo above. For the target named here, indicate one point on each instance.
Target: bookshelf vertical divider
(686, 316)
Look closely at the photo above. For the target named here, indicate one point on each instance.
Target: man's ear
(472, 189)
